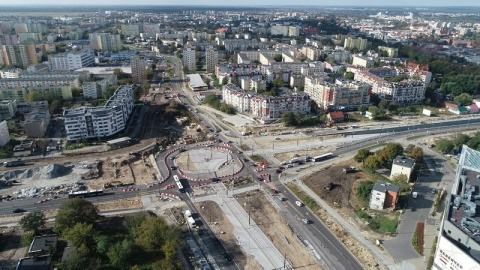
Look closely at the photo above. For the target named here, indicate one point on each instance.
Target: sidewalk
(250, 237)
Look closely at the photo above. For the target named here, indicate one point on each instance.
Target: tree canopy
(75, 211)
(33, 221)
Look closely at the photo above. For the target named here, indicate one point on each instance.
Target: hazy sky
(249, 2)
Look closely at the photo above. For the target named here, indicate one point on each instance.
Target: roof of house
(43, 243)
(35, 263)
(404, 162)
(336, 115)
(196, 80)
(383, 187)
(473, 107)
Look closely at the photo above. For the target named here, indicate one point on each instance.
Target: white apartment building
(72, 60)
(97, 89)
(282, 30)
(406, 92)
(10, 74)
(93, 122)
(189, 60)
(252, 84)
(35, 82)
(340, 94)
(265, 107)
(359, 43)
(42, 92)
(362, 61)
(211, 58)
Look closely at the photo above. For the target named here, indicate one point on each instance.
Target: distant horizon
(245, 3)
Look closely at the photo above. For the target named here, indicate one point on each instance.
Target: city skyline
(248, 2)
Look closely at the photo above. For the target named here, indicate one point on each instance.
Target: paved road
(253, 241)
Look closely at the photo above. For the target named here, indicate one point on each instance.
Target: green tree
(445, 146)
(225, 80)
(55, 107)
(132, 222)
(153, 233)
(362, 154)
(33, 221)
(474, 142)
(392, 106)
(278, 82)
(383, 104)
(80, 261)
(373, 162)
(27, 238)
(289, 119)
(75, 211)
(391, 151)
(417, 154)
(375, 111)
(363, 108)
(31, 97)
(277, 57)
(349, 76)
(459, 140)
(82, 236)
(119, 253)
(103, 243)
(463, 99)
(364, 190)
(409, 148)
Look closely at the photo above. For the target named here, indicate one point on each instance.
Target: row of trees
(142, 240)
(214, 101)
(455, 143)
(384, 157)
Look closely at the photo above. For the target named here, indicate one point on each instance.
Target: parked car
(19, 210)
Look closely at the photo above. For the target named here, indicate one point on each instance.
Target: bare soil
(272, 224)
(11, 248)
(223, 229)
(302, 153)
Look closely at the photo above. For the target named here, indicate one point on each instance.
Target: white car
(299, 203)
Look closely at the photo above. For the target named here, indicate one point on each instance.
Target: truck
(191, 222)
(14, 163)
(188, 214)
(414, 194)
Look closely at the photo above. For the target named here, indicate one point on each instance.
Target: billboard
(427, 112)
(450, 256)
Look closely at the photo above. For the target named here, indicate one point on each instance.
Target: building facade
(73, 60)
(340, 94)
(384, 195)
(105, 42)
(402, 166)
(20, 56)
(211, 58)
(139, 69)
(458, 245)
(263, 106)
(189, 59)
(93, 122)
(37, 119)
(4, 134)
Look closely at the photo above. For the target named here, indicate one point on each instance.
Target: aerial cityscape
(239, 135)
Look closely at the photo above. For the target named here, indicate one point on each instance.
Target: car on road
(278, 171)
(299, 203)
(173, 168)
(246, 160)
(278, 138)
(227, 257)
(230, 141)
(306, 221)
(209, 145)
(281, 198)
(172, 157)
(19, 210)
(240, 152)
(434, 191)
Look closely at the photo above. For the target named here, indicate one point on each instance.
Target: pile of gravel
(46, 172)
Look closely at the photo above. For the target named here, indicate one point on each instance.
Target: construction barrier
(169, 195)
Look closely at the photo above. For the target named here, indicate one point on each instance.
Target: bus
(323, 157)
(178, 183)
(85, 193)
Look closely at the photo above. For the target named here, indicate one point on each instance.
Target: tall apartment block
(105, 42)
(211, 57)
(189, 58)
(20, 56)
(139, 69)
(96, 122)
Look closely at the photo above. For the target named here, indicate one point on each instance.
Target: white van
(299, 203)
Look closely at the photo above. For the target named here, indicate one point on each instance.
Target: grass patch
(361, 214)
(75, 145)
(438, 200)
(257, 158)
(245, 147)
(418, 235)
(381, 223)
(432, 253)
(307, 200)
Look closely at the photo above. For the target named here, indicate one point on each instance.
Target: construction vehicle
(349, 169)
(329, 186)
